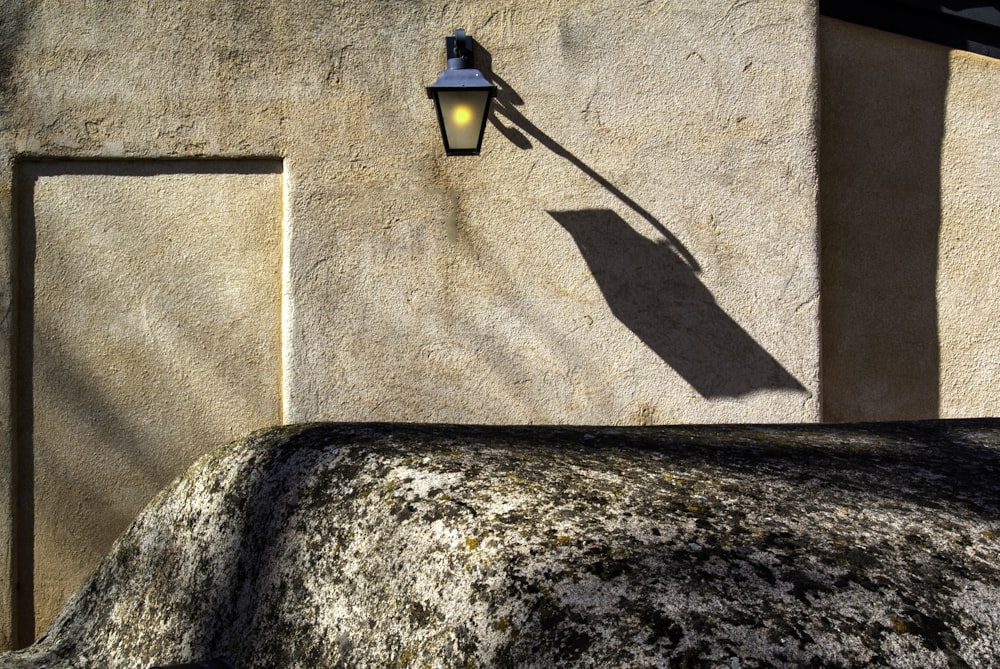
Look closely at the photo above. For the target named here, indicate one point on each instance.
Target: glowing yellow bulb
(462, 115)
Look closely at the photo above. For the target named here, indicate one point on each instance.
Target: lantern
(462, 96)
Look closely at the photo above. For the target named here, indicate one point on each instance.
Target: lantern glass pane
(462, 114)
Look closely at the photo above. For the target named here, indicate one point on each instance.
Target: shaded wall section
(882, 121)
(149, 332)
(910, 196)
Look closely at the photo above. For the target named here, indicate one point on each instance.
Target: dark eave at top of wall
(960, 24)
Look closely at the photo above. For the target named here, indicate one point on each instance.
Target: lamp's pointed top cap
(466, 77)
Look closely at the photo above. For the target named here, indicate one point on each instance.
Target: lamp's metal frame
(461, 75)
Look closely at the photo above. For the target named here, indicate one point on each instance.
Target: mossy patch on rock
(354, 545)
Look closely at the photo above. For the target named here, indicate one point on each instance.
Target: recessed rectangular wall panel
(153, 291)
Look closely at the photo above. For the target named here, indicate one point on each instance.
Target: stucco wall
(910, 196)
(968, 284)
(636, 244)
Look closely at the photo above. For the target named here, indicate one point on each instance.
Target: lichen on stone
(356, 545)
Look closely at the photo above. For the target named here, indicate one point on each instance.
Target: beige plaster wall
(636, 244)
(968, 284)
(909, 194)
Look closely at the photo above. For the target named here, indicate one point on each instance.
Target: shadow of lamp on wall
(651, 287)
(656, 295)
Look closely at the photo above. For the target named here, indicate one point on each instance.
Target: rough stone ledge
(359, 545)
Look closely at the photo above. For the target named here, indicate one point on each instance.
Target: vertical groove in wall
(285, 315)
(6, 394)
(817, 101)
(22, 457)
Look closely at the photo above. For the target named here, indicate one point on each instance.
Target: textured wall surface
(968, 284)
(450, 546)
(637, 243)
(910, 227)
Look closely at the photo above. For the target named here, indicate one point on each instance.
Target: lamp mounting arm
(458, 50)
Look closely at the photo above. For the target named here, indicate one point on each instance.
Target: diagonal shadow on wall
(651, 287)
(654, 293)
(515, 126)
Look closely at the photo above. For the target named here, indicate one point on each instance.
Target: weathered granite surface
(362, 545)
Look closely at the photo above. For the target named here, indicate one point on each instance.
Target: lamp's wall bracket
(458, 49)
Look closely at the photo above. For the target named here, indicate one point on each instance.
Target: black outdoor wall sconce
(462, 98)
